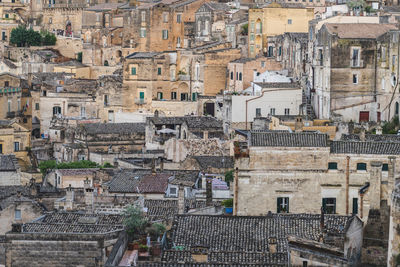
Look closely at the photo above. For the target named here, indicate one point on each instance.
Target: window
(141, 95)
(231, 75)
(133, 71)
(6, 84)
(355, 57)
(194, 96)
(329, 205)
(1, 148)
(173, 191)
(165, 34)
(9, 105)
(83, 112)
(16, 146)
(36, 106)
(262, 64)
(332, 165)
(355, 206)
(3, 36)
(361, 166)
(272, 111)
(383, 54)
(258, 112)
(56, 110)
(105, 100)
(159, 71)
(110, 116)
(287, 111)
(240, 76)
(251, 37)
(385, 167)
(6, 16)
(280, 51)
(143, 16)
(142, 32)
(159, 95)
(165, 17)
(282, 205)
(17, 214)
(355, 79)
(178, 18)
(289, 21)
(173, 95)
(178, 41)
(184, 96)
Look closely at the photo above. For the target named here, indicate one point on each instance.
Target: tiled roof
(184, 177)
(76, 172)
(244, 239)
(194, 264)
(8, 163)
(193, 122)
(129, 181)
(114, 128)
(279, 85)
(105, 6)
(215, 162)
(358, 147)
(286, 139)
(161, 209)
(9, 63)
(73, 223)
(142, 55)
(372, 137)
(217, 6)
(359, 30)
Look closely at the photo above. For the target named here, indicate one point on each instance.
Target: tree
(52, 164)
(245, 29)
(134, 220)
(229, 176)
(156, 229)
(48, 38)
(18, 36)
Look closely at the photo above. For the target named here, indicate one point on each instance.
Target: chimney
(205, 135)
(69, 195)
(375, 180)
(181, 199)
(89, 194)
(272, 245)
(379, 130)
(298, 126)
(208, 192)
(362, 135)
(153, 166)
(33, 187)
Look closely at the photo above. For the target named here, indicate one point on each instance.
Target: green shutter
(194, 96)
(141, 94)
(324, 204)
(133, 71)
(287, 210)
(355, 205)
(278, 204)
(159, 71)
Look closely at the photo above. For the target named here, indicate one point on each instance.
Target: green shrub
(227, 203)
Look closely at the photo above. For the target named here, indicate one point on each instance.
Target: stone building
(344, 177)
(14, 139)
(10, 95)
(275, 19)
(109, 97)
(201, 239)
(360, 57)
(159, 26)
(63, 238)
(10, 172)
(241, 71)
(206, 19)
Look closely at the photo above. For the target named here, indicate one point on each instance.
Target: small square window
(17, 215)
(361, 166)
(332, 166)
(282, 205)
(385, 167)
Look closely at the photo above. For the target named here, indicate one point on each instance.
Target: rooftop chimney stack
(208, 192)
(181, 200)
(272, 245)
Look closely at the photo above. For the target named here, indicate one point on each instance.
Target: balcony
(357, 63)
(140, 101)
(9, 90)
(11, 115)
(183, 77)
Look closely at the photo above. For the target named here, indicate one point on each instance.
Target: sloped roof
(142, 55)
(371, 137)
(8, 163)
(359, 30)
(215, 162)
(358, 147)
(286, 139)
(114, 128)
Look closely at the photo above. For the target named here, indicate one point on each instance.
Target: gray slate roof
(372, 137)
(358, 147)
(247, 235)
(114, 128)
(193, 122)
(286, 139)
(8, 163)
(142, 55)
(221, 162)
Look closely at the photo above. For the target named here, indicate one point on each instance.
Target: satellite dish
(393, 80)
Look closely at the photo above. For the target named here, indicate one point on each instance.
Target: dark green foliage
(391, 127)
(245, 29)
(21, 36)
(134, 220)
(107, 165)
(228, 203)
(156, 230)
(229, 176)
(51, 164)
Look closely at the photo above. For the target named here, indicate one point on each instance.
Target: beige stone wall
(29, 212)
(302, 175)
(56, 18)
(69, 47)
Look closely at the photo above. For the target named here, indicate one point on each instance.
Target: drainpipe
(236, 190)
(347, 183)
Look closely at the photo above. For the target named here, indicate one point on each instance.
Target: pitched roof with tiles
(372, 137)
(114, 128)
(74, 223)
(244, 239)
(193, 122)
(359, 30)
(286, 139)
(221, 162)
(8, 163)
(76, 172)
(358, 147)
(154, 183)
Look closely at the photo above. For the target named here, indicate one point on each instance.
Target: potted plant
(228, 204)
(143, 248)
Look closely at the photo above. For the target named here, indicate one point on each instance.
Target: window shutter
(279, 204)
(324, 204)
(287, 205)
